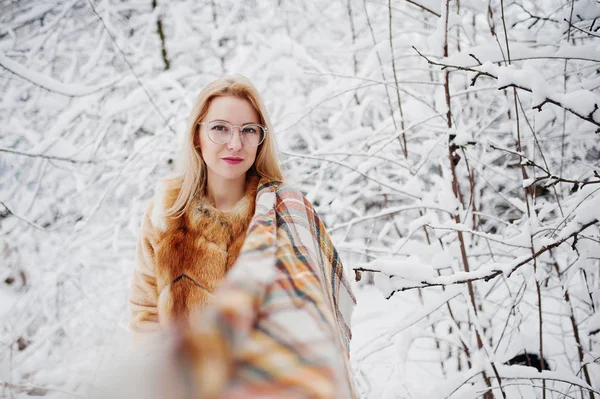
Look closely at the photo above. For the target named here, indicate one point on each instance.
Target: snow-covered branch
(485, 272)
(50, 84)
(582, 103)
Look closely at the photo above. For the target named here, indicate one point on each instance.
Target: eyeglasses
(220, 132)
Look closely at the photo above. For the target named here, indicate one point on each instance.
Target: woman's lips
(233, 161)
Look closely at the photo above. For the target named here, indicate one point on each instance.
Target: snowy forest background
(451, 147)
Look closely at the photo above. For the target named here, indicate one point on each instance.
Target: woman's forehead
(233, 110)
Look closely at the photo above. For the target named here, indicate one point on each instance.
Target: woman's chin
(231, 174)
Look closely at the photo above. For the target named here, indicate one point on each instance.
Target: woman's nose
(235, 142)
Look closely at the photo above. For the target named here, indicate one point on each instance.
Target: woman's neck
(223, 193)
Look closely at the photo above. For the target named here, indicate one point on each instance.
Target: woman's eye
(220, 128)
(249, 130)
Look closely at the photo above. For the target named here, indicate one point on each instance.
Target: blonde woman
(244, 262)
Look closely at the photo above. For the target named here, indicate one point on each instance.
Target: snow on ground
(387, 367)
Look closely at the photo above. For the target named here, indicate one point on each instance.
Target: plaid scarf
(279, 324)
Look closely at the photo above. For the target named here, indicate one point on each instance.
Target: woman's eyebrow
(225, 120)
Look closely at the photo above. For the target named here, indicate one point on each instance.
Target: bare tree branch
(9, 212)
(44, 156)
(421, 6)
(535, 18)
(579, 29)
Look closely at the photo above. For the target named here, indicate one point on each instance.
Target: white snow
(67, 250)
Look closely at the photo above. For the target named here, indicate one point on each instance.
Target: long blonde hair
(192, 175)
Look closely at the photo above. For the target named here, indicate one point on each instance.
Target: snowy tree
(451, 147)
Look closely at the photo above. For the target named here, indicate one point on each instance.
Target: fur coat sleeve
(143, 296)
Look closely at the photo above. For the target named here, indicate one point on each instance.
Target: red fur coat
(180, 261)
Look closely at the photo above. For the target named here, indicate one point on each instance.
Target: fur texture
(186, 256)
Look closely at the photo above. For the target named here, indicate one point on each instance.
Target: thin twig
(548, 175)
(537, 143)
(44, 156)
(10, 212)
(581, 30)
(380, 64)
(575, 328)
(402, 122)
(527, 192)
(395, 189)
(531, 16)
(422, 7)
(149, 96)
(355, 64)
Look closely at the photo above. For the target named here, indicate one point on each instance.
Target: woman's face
(222, 160)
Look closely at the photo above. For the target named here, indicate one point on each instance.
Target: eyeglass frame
(265, 129)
